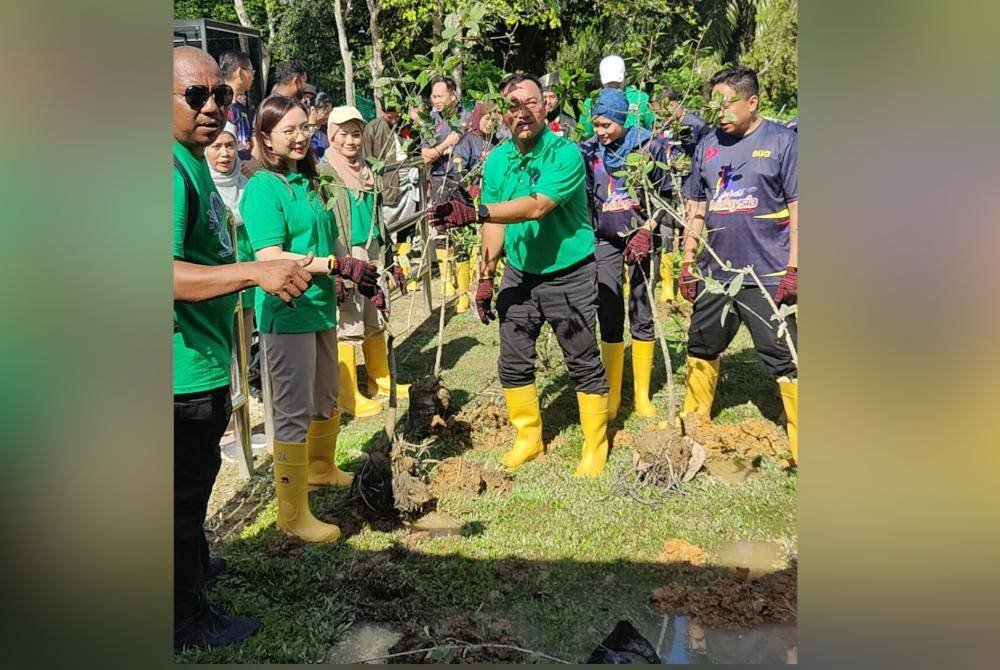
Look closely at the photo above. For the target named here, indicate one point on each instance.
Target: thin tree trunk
(345, 53)
(374, 7)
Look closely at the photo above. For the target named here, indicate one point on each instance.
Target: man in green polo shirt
(206, 281)
(535, 209)
(612, 70)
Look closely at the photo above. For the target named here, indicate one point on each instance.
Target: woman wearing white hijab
(352, 186)
(224, 166)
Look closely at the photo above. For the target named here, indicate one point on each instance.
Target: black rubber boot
(211, 629)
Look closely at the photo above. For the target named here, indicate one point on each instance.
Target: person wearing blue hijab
(624, 235)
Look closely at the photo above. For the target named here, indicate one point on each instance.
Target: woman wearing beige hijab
(352, 187)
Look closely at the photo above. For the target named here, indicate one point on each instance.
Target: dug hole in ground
(532, 566)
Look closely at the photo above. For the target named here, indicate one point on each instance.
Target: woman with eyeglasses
(351, 187)
(286, 218)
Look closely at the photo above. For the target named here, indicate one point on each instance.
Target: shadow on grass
(743, 378)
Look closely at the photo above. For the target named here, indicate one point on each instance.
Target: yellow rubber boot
(322, 441)
(642, 369)
(463, 277)
(403, 258)
(699, 386)
(291, 485)
(444, 267)
(594, 422)
(790, 399)
(350, 398)
(613, 355)
(525, 415)
(377, 365)
(667, 277)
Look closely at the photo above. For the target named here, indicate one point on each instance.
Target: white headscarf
(231, 184)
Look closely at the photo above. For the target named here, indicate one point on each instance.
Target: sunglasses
(197, 96)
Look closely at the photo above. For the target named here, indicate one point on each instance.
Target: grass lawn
(556, 558)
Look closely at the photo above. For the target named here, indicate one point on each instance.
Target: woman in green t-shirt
(286, 218)
(352, 187)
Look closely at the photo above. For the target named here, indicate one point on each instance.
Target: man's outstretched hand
(451, 214)
(285, 278)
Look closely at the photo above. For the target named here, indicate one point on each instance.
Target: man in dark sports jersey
(742, 197)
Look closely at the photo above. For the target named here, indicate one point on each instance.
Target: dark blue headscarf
(613, 105)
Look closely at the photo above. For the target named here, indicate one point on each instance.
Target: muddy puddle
(364, 641)
(730, 471)
(679, 640)
(755, 556)
(437, 524)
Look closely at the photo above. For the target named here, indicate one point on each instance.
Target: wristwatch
(482, 213)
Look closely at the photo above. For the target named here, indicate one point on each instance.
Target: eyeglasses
(196, 96)
(516, 106)
(306, 131)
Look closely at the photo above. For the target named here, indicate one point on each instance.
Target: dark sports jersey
(697, 129)
(239, 116)
(748, 183)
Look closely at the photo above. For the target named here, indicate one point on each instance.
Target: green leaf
(725, 312)
(735, 285)
(713, 286)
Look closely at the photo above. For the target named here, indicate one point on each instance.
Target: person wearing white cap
(612, 70)
(359, 234)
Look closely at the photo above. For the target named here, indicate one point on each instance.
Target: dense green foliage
(656, 37)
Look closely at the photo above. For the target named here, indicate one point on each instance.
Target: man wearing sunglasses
(534, 208)
(206, 281)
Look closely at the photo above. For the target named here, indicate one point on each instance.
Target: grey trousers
(564, 301)
(304, 380)
(611, 302)
(358, 317)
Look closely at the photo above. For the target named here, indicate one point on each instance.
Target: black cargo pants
(610, 301)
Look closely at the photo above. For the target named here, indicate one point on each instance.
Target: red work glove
(484, 296)
(788, 288)
(638, 247)
(380, 302)
(342, 292)
(688, 283)
(362, 273)
(400, 277)
(451, 214)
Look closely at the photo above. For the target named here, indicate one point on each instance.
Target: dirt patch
(733, 600)
(680, 551)
(454, 475)
(456, 640)
(747, 439)
(664, 457)
(491, 422)
(429, 408)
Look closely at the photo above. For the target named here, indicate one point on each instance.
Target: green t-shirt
(284, 211)
(203, 331)
(639, 111)
(363, 229)
(553, 168)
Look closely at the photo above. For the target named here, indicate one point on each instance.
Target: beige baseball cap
(344, 113)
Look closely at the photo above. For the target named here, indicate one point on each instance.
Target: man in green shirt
(206, 281)
(535, 209)
(612, 71)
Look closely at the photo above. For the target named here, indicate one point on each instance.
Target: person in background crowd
(309, 96)
(615, 212)
(743, 195)
(286, 218)
(384, 141)
(290, 79)
(319, 114)
(237, 69)
(693, 127)
(534, 207)
(612, 71)
(559, 123)
(224, 166)
(206, 280)
(352, 190)
(445, 181)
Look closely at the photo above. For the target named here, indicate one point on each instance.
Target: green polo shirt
(553, 168)
(284, 211)
(203, 331)
(639, 112)
(363, 229)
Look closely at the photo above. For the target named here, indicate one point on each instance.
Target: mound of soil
(460, 631)
(454, 475)
(430, 406)
(748, 439)
(680, 551)
(733, 600)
